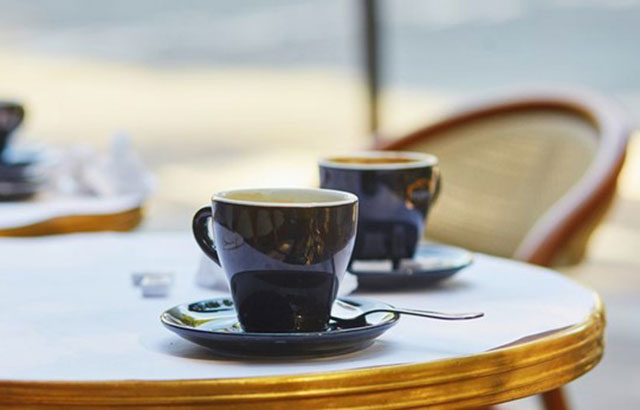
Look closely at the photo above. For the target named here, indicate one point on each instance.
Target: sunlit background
(220, 95)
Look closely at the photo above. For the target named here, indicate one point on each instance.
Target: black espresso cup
(395, 189)
(284, 252)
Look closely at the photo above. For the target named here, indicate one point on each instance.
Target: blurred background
(219, 95)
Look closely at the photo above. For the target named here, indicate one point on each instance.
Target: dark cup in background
(11, 116)
(395, 189)
(284, 252)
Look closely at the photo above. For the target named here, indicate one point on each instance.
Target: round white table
(75, 331)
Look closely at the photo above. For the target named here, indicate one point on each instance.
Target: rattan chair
(526, 177)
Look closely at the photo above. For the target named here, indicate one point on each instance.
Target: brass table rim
(494, 376)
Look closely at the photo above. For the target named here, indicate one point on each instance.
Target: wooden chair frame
(570, 221)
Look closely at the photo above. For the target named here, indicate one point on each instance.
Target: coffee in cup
(395, 189)
(284, 252)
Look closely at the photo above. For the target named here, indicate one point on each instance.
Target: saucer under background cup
(431, 264)
(214, 324)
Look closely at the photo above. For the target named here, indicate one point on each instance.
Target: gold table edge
(565, 355)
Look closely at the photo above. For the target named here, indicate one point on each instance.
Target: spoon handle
(430, 314)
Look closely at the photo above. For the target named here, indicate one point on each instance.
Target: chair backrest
(523, 177)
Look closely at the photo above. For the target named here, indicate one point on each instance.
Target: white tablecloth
(68, 311)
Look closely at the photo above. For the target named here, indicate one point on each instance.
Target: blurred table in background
(69, 215)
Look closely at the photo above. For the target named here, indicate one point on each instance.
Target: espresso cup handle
(201, 233)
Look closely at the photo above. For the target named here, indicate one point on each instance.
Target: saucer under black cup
(214, 324)
(431, 264)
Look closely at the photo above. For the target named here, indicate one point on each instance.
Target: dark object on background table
(18, 191)
(15, 171)
(431, 265)
(17, 179)
(396, 191)
(284, 252)
(21, 165)
(20, 178)
(214, 324)
(11, 116)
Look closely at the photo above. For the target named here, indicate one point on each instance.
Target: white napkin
(83, 171)
(212, 276)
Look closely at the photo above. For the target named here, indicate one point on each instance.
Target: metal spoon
(359, 320)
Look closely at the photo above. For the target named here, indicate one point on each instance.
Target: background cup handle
(436, 192)
(201, 233)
